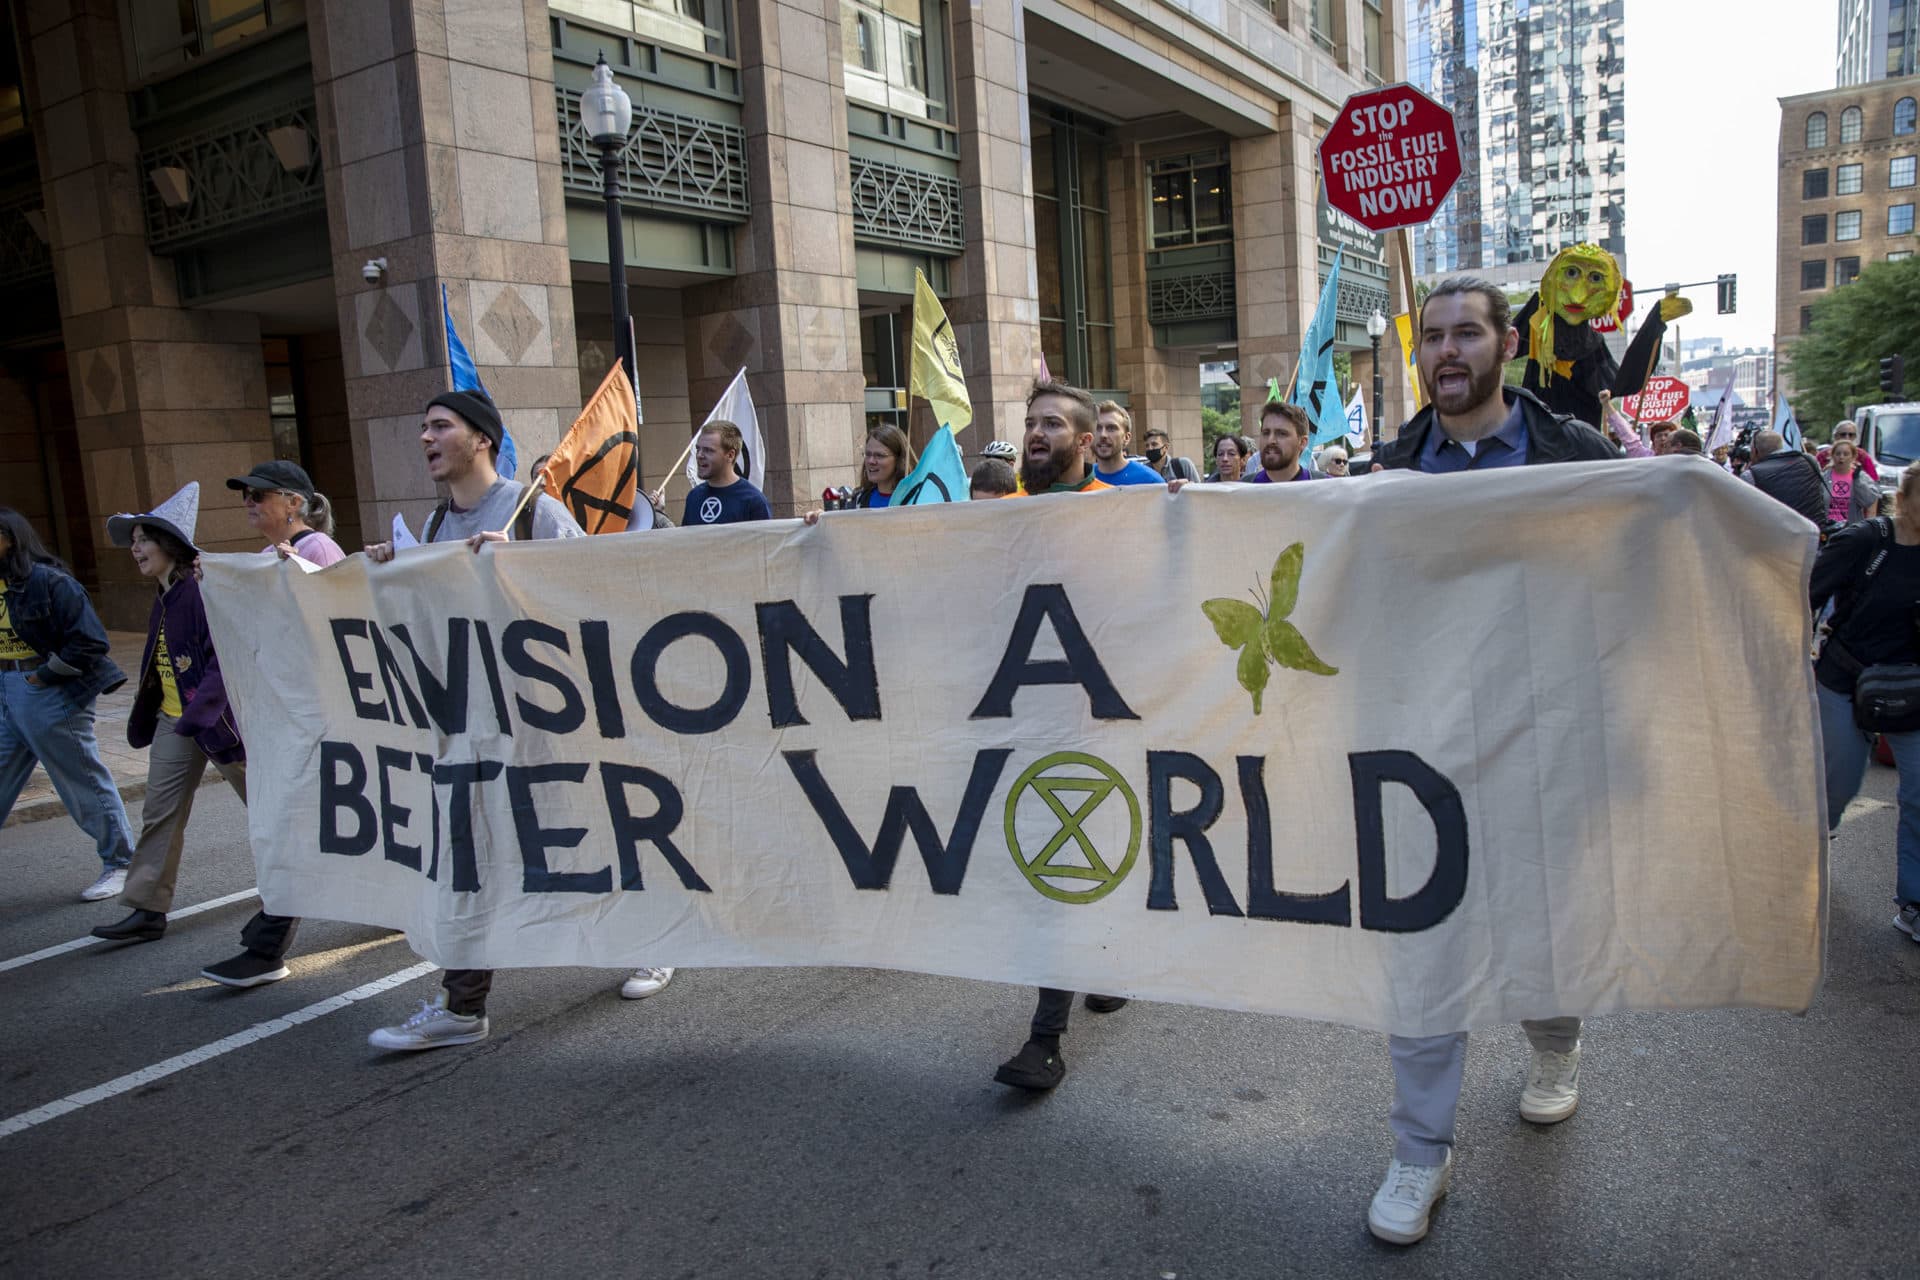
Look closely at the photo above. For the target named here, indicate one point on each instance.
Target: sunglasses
(257, 496)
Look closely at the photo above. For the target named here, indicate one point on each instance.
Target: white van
(1891, 433)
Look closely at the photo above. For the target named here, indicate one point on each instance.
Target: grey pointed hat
(177, 515)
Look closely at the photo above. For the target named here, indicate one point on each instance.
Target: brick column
(791, 313)
(1275, 270)
(442, 155)
(995, 307)
(161, 395)
(1163, 386)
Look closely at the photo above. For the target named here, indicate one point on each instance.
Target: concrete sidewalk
(129, 767)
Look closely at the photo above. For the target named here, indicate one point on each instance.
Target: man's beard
(1271, 460)
(1038, 477)
(1481, 385)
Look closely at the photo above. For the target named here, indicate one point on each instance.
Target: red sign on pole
(1390, 158)
(1603, 324)
(1663, 400)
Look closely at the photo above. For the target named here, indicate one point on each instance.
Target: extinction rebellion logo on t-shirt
(710, 510)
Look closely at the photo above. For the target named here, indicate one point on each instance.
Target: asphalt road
(844, 1123)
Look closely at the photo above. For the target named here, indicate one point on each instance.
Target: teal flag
(940, 477)
(1317, 389)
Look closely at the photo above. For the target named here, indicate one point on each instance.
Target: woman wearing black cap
(180, 713)
(283, 506)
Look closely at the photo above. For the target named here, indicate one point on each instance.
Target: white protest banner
(996, 757)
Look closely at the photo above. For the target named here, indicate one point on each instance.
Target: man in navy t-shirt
(1112, 430)
(1285, 430)
(722, 496)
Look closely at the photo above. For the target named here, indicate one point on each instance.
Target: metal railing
(671, 161)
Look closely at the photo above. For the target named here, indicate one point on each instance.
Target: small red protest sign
(1390, 158)
(1663, 400)
(1605, 324)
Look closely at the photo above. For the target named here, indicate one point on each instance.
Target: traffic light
(1729, 289)
(1893, 376)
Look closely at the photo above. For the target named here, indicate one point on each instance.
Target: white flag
(402, 536)
(736, 406)
(1357, 420)
(1721, 432)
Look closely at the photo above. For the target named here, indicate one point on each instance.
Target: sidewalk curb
(131, 793)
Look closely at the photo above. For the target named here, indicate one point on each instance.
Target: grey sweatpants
(1427, 1071)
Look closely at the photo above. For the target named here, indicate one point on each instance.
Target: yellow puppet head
(1581, 284)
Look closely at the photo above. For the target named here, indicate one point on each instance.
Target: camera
(372, 269)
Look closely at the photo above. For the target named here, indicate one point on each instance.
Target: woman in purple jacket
(180, 714)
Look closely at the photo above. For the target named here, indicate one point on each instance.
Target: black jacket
(1550, 437)
(1789, 476)
(50, 612)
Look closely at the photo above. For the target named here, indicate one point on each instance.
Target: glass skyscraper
(1538, 90)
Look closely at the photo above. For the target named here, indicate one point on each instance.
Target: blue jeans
(53, 726)
(1847, 750)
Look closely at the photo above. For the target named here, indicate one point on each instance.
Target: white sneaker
(431, 1027)
(646, 982)
(1553, 1086)
(1404, 1203)
(110, 884)
(1908, 920)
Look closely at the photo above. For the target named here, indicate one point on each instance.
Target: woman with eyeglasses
(180, 715)
(284, 508)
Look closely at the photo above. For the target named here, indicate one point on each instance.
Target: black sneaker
(1035, 1067)
(139, 926)
(1105, 1004)
(248, 969)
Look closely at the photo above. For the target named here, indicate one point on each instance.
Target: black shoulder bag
(1886, 696)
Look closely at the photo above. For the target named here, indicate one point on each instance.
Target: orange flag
(595, 470)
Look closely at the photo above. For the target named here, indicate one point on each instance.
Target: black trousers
(1050, 1012)
(269, 935)
(467, 989)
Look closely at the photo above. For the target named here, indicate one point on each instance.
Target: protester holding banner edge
(180, 713)
(1871, 573)
(1472, 422)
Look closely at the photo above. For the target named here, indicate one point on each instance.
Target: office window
(1374, 30)
(1806, 319)
(1900, 172)
(1846, 226)
(1190, 199)
(167, 37)
(1845, 271)
(1813, 229)
(1900, 220)
(1813, 184)
(1851, 121)
(1846, 180)
(1817, 130)
(1903, 117)
(893, 55)
(1813, 275)
(1899, 255)
(1322, 22)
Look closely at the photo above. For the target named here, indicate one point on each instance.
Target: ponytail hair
(319, 513)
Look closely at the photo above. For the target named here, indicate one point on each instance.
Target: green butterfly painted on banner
(1263, 635)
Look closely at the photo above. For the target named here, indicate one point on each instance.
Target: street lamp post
(606, 113)
(1376, 327)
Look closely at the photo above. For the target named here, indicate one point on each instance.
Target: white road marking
(194, 1057)
(1862, 805)
(47, 953)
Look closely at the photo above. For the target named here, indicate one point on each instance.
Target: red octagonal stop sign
(1391, 157)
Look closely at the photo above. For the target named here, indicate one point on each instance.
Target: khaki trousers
(174, 769)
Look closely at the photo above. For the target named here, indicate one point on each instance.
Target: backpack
(522, 523)
(1886, 696)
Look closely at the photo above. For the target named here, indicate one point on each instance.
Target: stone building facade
(228, 231)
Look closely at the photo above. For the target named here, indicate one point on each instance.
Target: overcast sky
(1703, 130)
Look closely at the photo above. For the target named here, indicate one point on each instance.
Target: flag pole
(534, 485)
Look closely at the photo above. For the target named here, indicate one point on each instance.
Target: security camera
(373, 269)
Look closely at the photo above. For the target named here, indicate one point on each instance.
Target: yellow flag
(1404, 325)
(595, 469)
(936, 376)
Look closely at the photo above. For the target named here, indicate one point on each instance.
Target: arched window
(1903, 117)
(1850, 122)
(1816, 130)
